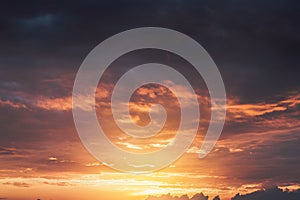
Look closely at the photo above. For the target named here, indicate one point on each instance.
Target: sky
(255, 45)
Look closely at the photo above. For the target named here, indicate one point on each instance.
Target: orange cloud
(12, 104)
(17, 184)
(251, 110)
(258, 109)
(59, 104)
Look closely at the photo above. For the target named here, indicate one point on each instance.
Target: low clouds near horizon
(267, 194)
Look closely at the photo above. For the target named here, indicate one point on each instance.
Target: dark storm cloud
(255, 44)
(276, 161)
(273, 162)
(29, 137)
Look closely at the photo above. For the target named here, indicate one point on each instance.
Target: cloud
(12, 104)
(94, 164)
(17, 184)
(259, 109)
(266, 194)
(52, 158)
(7, 151)
(63, 184)
(42, 47)
(269, 194)
(198, 196)
(131, 146)
(59, 104)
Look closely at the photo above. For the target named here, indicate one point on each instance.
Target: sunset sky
(254, 44)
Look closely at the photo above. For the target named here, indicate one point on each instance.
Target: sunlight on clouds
(248, 188)
(292, 187)
(15, 105)
(251, 110)
(52, 158)
(93, 164)
(149, 184)
(130, 146)
(235, 150)
(55, 104)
